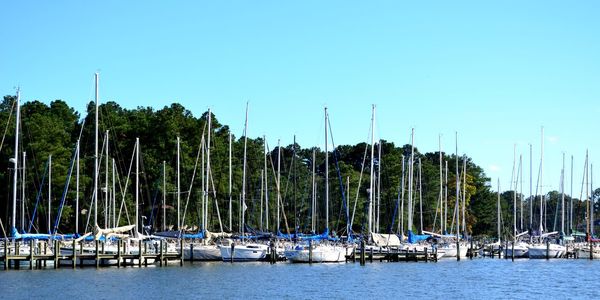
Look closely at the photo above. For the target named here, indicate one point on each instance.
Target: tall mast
(514, 190)
(378, 184)
(371, 183)
(164, 209)
(464, 196)
(442, 221)
(591, 200)
(266, 185)
(262, 192)
(326, 174)
(230, 178)
(243, 210)
(77, 189)
(106, 211)
(207, 171)
(446, 197)
(16, 162)
(457, 191)
(531, 186)
(23, 193)
(420, 199)
(49, 193)
(178, 188)
(314, 194)
(542, 185)
(95, 191)
(521, 188)
(571, 205)
(137, 183)
(587, 196)
(278, 184)
(410, 179)
(114, 194)
(498, 211)
(562, 198)
(401, 216)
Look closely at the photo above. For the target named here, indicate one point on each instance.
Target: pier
(39, 255)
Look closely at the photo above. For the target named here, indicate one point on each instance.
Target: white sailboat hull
(248, 252)
(541, 251)
(202, 252)
(320, 254)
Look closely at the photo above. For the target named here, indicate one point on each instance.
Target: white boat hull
(324, 254)
(202, 252)
(249, 252)
(541, 251)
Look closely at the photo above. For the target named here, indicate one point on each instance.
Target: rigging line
(362, 168)
(124, 189)
(278, 184)
(201, 147)
(340, 179)
(12, 108)
(37, 200)
(64, 195)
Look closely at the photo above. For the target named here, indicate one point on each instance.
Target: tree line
(54, 130)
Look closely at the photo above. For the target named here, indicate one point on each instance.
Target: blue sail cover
(415, 238)
(303, 236)
(41, 236)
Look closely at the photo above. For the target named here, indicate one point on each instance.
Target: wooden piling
(547, 249)
(119, 248)
(513, 251)
(310, 250)
(457, 250)
(180, 252)
(74, 254)
(161, 252)
(97, 253)
(31, 253)
(362, 252)
(56, 252)
(5, 253)
(591, 251)
(192, 251)
(371, 255)
(140, 254)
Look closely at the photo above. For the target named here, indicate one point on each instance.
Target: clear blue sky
(493, 71)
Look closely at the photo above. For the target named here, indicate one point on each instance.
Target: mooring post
(457, 250)
(426, 255)
(362, 252)
(512, 255)
(547, 249)
(97, 253)
(310, 250)
(161, 252)
(119, 245)
(192, 251)
(31, 244)
(74, 253)
(591, 251)
(6, 253)
(56, 251)
(140, 255)
(180, 252)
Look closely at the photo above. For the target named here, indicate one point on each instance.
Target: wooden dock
(392, 255)
(41, 255)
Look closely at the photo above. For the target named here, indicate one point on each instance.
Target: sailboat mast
(95, 191)
(77, 189)
(230, 179)
(207, 171)
(464, 196)
(498, 211)
(178, 188)
(591, 200)
(314, 194)
(266, 184)
(420, 199)
(442, 221)
(571, 205)
(49, 193)
(243, 206)
(514, 190)
(371, 183)
(531, 186)
(137, 183)
(16, 162)
(562, 198)
(457, 190)
(401, 216)
(542, 185)
(378, 184)
(114, 194)
(326, 174)
(446, 197)
(164, 203)
(410, 179)
(23, 193)
(521, 188)
(106, 211)
(278, 184)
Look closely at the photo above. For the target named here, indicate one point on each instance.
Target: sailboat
(547, 249)
(242, 250)
(321, 252)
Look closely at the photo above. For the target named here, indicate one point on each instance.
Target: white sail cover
(98, 232)
(385, 240)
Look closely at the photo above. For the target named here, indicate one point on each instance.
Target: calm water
(476, 279)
